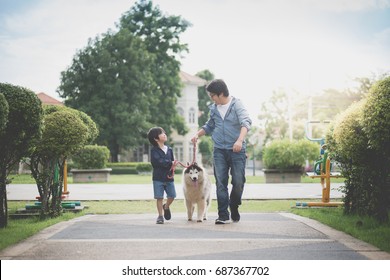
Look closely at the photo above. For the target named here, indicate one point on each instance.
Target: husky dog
(197, 190)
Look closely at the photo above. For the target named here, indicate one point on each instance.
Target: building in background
(48, 100)
(187, 107)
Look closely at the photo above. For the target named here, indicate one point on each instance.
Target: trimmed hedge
(359, 140)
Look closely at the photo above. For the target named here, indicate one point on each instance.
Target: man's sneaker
(222, 221)
(160, 220)
(234, 214)
(167, 213)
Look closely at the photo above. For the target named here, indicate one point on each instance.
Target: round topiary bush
(348, 135)
(376, 118)
(289, 155)
(91, 157)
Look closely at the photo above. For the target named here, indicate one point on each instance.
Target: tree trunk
(3, 201)
(114, 151)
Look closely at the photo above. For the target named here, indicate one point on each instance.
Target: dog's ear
(197, 167)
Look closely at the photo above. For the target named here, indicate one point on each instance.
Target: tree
(110, 80)
(127, 80)
(3, 112)
(204, 101)
(274, 116)
(65, 131)
(203, 98)
(19, 135)
(161, 36)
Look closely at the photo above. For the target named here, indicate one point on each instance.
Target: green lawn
(147, 179)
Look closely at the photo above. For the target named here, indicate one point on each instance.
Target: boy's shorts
(159, 188)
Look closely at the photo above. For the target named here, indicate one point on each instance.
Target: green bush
(377, 117)
(289, 155)
(348, 133)
(144, 167)
(91, 157)
(359, 140)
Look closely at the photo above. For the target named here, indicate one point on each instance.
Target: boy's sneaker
(160, 220)
(167, 213)
(234, 214)
(220, 221)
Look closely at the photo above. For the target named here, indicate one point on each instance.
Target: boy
(162, 160)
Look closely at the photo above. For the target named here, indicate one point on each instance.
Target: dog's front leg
(201, 210)
(190, 209)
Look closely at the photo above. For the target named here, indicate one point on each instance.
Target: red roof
(189, 79)
(48, 100)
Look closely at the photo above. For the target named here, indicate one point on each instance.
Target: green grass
(147, 179)
(363, 228)
(18, 230)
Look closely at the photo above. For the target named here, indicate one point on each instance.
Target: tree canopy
(127, 80)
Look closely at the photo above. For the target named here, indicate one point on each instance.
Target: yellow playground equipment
(322, 170)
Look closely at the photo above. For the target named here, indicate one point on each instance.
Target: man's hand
(237, 146)
(194, 139)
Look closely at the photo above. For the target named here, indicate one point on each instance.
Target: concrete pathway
(260, 236)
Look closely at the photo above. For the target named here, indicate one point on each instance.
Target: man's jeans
(225, 161)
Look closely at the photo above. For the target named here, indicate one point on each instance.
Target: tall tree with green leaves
(110, 80)
(161, 35)
(128, 80)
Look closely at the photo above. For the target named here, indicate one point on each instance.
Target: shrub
(359, 140)
(144, 167)
(20, 127)
(91, 157)
(289, 155)
(348, 133)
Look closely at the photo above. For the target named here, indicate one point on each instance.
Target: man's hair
(153, 134)
(218, 86)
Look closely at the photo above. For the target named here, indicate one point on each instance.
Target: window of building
(178, 151)
(191, 115)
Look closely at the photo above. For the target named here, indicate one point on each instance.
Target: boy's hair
(153, 134)
(217, 86)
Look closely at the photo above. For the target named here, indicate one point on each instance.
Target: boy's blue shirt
(162, 163)
(225, 132)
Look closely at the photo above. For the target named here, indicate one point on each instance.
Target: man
(228, 125)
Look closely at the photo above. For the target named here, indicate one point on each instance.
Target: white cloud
(37, 45)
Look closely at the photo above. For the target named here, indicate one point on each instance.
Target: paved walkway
(264, 236)
(260, 236)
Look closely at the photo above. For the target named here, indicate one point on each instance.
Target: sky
(256, 46)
